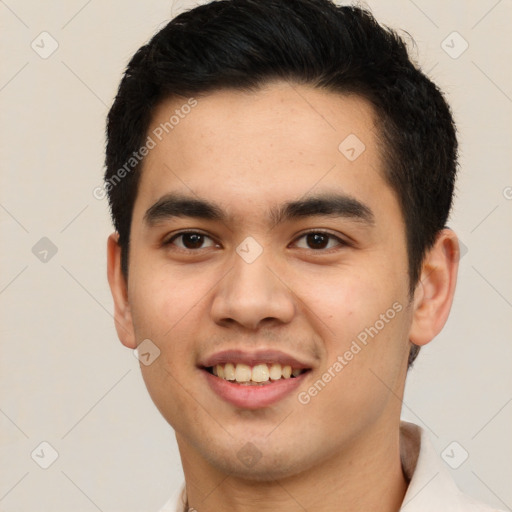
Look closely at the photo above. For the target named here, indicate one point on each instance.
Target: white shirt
(431, 487)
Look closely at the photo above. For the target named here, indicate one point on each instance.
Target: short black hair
(245, 44)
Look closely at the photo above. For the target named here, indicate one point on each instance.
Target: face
(261, 240)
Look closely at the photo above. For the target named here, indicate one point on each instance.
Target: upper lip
(253, 358)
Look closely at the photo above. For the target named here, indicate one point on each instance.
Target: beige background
(64, 377)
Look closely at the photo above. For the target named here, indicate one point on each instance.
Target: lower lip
(253, 397)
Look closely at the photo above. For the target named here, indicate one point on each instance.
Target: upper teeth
(258, 373)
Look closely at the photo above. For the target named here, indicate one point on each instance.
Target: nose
(253, 294)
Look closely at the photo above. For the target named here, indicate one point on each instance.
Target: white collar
(431, 487)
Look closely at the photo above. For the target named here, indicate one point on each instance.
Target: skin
(248, 153)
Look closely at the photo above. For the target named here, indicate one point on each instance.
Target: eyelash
(340, 242)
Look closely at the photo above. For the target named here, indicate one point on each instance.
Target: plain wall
(64, 376)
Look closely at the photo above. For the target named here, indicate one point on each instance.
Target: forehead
(282, 141)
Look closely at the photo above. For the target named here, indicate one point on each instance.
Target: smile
(237, 387)
(259, 374)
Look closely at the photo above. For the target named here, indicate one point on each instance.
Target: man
(280, 176)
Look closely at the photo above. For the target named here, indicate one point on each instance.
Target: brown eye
(191, 240)
(318, 240)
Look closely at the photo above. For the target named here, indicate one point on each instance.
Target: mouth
(254, 386)
(253, 380)
(262, 374)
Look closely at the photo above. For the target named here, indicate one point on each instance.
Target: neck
(367, 476)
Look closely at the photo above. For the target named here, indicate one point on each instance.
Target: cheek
(364, 363)
(360, 319)
(344, 300)
(170, 308)
(166, 309)
(163, 301)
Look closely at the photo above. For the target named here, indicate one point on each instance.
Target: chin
(251, 464)
(260, 471)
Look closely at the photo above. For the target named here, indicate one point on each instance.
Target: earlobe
(435, 290)
(119, 290)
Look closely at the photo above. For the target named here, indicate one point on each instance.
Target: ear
(119, 290)
(434, 292)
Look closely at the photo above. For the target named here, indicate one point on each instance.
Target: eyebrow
(174, 205)
(332, 204)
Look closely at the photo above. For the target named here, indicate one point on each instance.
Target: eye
(191, 240)
(318, 240)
